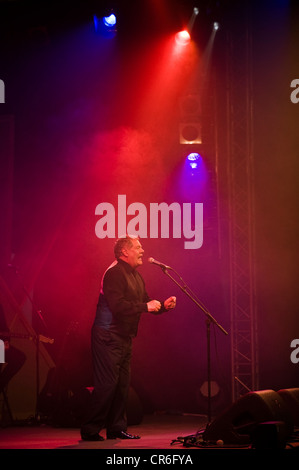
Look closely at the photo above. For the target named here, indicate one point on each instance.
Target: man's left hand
(170, 303)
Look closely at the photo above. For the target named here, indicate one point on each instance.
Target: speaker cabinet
(238, 423)
(291, 398)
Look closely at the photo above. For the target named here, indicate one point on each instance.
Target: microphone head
(151, 260)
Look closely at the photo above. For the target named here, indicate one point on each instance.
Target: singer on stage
(123, 298)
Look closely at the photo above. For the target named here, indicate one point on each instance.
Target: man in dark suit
(123, 298)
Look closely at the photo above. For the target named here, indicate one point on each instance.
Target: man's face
(134, 253)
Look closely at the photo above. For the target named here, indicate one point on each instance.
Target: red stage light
(183, 38)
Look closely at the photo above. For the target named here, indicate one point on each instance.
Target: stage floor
(157, 431)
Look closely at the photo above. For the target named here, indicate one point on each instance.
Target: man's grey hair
(121, 243)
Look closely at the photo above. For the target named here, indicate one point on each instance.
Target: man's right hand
(153, 306)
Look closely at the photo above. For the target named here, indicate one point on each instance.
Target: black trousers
(111, 355)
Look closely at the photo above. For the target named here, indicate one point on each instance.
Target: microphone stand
(209, 319)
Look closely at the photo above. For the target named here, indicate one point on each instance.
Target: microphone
(163, 266)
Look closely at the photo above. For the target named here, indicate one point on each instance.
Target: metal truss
(244, 355)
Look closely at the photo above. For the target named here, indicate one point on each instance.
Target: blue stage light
(110, 21)
(193, 159)
(105, 25)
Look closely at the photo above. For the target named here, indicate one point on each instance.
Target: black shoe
(121, 435)
(91, 437)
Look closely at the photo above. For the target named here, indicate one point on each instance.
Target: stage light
(193, 160)
(183, 38)
(110, 21)
(105, 25)
(216, 26)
